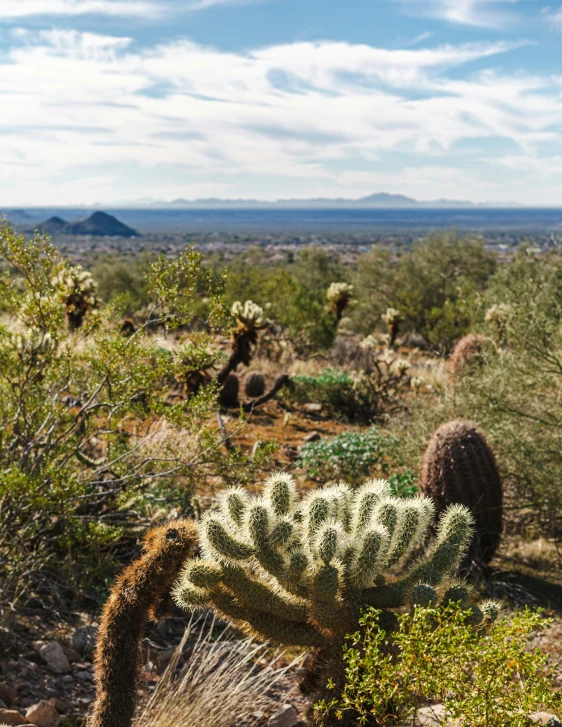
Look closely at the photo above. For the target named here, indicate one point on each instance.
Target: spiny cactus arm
(266, 627)
(259, 529)
(365, 501)
(453, 537)
(280, 492)
(217, 542)
(234, 505)
(264, 597)
(414, 520)
(137, 594)
(368, 558)
(327, 609)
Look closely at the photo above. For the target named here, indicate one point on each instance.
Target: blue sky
(115, 100)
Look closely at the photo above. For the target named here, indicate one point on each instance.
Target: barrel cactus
(460, 468)
(254, 384)
(339, 296)
(78, 291)
(393, 319)
(297, 572)
(470, 353)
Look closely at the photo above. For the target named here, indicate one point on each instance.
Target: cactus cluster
(393, 319)
(78, 290)
(248, 315)
(297, 572)
(250, 320)
(470, 353)
(339, 296)
(459, 468)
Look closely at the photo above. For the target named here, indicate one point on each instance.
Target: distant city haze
(126, 103)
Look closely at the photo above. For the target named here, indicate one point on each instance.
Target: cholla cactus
(417, 384)
(249, 320)
(497, 317)
(78, 290)
(393, 319)
(402, 366)
(339, 296)
(297, 573)
(369, 343)
(248, 314)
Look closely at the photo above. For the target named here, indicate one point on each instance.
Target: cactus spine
(470, 353)
(254, 384)
(459, 467)
(141, 592)
(297, 572)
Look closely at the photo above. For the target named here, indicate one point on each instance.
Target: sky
(111, 101)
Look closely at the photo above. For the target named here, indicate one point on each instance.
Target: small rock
(58, 704)
(431, 716)
(11, 717)
(286, 716)
(84, 639)
(312, 437)
(43, 714)
(312, 408)
(8, 694)
(84, 676)
(67, 679)
(545, 718)
(71, 654)
(53, 654)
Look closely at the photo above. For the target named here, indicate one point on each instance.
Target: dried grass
(221, 685)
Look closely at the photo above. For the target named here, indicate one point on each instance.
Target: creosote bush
(298, 572)
(485, 676)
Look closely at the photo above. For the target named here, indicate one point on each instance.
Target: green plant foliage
(484, 676)
(89, 443)
(434, 287)
(351, 456)
(332, 388)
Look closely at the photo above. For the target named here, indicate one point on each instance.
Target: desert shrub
(434, 287)
(516, 397)
(351, 456)
(363, 396)
(332, 388)
(125, 280)
(89, 444)
(484, 677)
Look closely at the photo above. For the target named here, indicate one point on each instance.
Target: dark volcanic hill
(53, 226)
(99, 224)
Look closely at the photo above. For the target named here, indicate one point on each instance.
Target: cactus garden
(315, 488)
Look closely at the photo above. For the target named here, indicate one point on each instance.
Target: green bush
(90, 445)
(434, 287)
(484, 676)
(332, 388)
(354, 456)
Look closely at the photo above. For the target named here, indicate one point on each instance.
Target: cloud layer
(14, 9)
(88, 117)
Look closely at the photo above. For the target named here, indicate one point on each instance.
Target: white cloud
(89, 117)
(482, 13)
(12, 9)
(553, 16)
(204, 4)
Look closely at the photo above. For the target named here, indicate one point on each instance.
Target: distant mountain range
(99, 224)
(380, 200)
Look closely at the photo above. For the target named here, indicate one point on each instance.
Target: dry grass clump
(225, 682)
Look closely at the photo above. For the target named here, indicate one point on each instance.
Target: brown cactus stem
(280, 382)
(137, 595)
